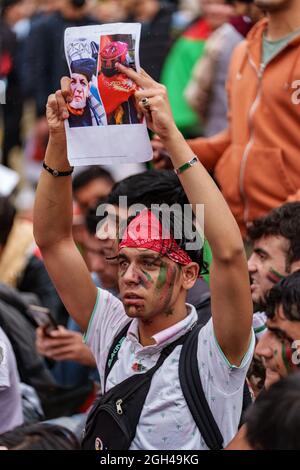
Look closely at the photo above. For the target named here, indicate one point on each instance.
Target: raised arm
(53, 223)
(229, 281)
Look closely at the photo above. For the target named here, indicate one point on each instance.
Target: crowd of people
(152, 307)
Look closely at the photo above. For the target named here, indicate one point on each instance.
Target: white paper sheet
(104, 127)
(8, 180)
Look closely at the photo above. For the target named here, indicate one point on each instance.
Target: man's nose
(264, 346)
(131, 275)
(252, 266)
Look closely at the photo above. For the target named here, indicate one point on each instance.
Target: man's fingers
(62, 106)
(149, 93)
(65, 83)
(52, 103)
(138, 78)
(63, 353)
(145, 74)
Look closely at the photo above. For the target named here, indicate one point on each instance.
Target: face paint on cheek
(286, 354)
(169, 277)
(274, 276)
(147, 280)
(161, 280)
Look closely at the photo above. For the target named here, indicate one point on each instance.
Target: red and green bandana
(146, 231)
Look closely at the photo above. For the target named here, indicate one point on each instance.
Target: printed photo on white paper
(104, 126)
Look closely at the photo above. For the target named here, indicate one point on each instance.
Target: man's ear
(189, 275)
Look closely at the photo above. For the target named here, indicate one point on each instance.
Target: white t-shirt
(166, 422)
(11, 414)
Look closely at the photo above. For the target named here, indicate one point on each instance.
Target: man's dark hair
(283, 221)
(90, 174)
(7, 215)
(285, 293)
(273, 422)
(150, 187)
(39, 436)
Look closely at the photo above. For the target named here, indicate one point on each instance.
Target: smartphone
(43, 318)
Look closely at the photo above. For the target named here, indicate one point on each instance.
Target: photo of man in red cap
(115, 88)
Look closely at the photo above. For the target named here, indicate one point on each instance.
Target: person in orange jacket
(255, 160)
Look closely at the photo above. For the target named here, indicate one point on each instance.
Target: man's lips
(253, 284)
(130, 298)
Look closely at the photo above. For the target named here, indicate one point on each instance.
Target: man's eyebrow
(122, 256)
(151, 256)
(279, 332)
(261, 251)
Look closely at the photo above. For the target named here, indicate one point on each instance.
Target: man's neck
(147, 329)
(283, 23)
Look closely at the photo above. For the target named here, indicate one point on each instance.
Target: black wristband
(55, 172)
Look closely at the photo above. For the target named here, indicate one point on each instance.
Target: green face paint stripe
(285, 359)
(161, 280)
(147, 275)
(273, 271)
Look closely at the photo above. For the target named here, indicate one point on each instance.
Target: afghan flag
(177, 71)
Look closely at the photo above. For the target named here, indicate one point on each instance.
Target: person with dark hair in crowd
(90, 185)
(273, 422)
(154, 277)
(276, 253)
(146, 189)
(279, 346)
(39, 436)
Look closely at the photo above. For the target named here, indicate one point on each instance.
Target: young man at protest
(154, 277)
(276, 253)
(279, 346)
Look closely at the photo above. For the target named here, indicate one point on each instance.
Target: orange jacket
(256, 161)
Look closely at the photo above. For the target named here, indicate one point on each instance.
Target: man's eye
(123, 263)
(148, 263)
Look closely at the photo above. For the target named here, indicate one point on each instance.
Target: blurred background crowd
(185, 44)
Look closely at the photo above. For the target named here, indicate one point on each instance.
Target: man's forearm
(221, 229)
(53, 204)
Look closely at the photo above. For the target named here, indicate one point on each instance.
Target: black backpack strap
(114, 350)
(192, 389)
